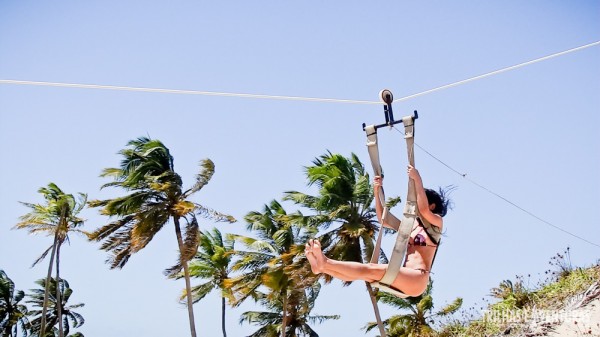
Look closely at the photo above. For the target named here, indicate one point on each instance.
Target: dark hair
(440, 199)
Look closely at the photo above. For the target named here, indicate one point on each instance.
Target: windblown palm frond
(203, 177)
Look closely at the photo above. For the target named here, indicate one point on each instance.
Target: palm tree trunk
(375, 309)
(47, 288)
(186, 273)
(58, 299)
(223, 316)
(284, 318)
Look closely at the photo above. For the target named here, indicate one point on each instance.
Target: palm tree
(273, 259)
(59, 311)
(212, 263)
(419, 320)
(13, 315)
(344, 200)
(57, 218)
(297, 316)
(155, 195)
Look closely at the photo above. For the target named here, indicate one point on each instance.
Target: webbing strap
(373, 149)
(410, 212)
(389, 289)
(371, 131)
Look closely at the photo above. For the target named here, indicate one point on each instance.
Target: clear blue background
(529, 135)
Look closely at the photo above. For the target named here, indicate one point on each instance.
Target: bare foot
(308, 251)
(320, 258)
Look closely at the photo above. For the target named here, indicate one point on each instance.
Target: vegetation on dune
(522, 310)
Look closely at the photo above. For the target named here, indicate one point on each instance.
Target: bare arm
(422, 202)
(390, 220)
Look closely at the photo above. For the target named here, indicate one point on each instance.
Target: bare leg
(345, 270)
(316, 266)
(410, 281)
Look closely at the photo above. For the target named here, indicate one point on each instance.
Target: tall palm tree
(60, 310)
(13, 315)
(298, 315)
(57, 218)
(212, 263)
(155, 196)
(343, 201)
(420, 317)
(271, 259)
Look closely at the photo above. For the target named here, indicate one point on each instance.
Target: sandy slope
(581, 317)
(588, 323)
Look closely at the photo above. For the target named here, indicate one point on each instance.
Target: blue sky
(529, 135)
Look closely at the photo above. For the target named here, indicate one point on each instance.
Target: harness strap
(432, 231)
(373, 149)
(371, 131)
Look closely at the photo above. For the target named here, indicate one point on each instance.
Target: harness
(410, 212)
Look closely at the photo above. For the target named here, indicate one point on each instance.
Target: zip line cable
(289, 98)
(498, 71)
(186, 92)
(464, 175)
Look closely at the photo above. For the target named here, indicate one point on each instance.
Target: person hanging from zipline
(413, 277)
